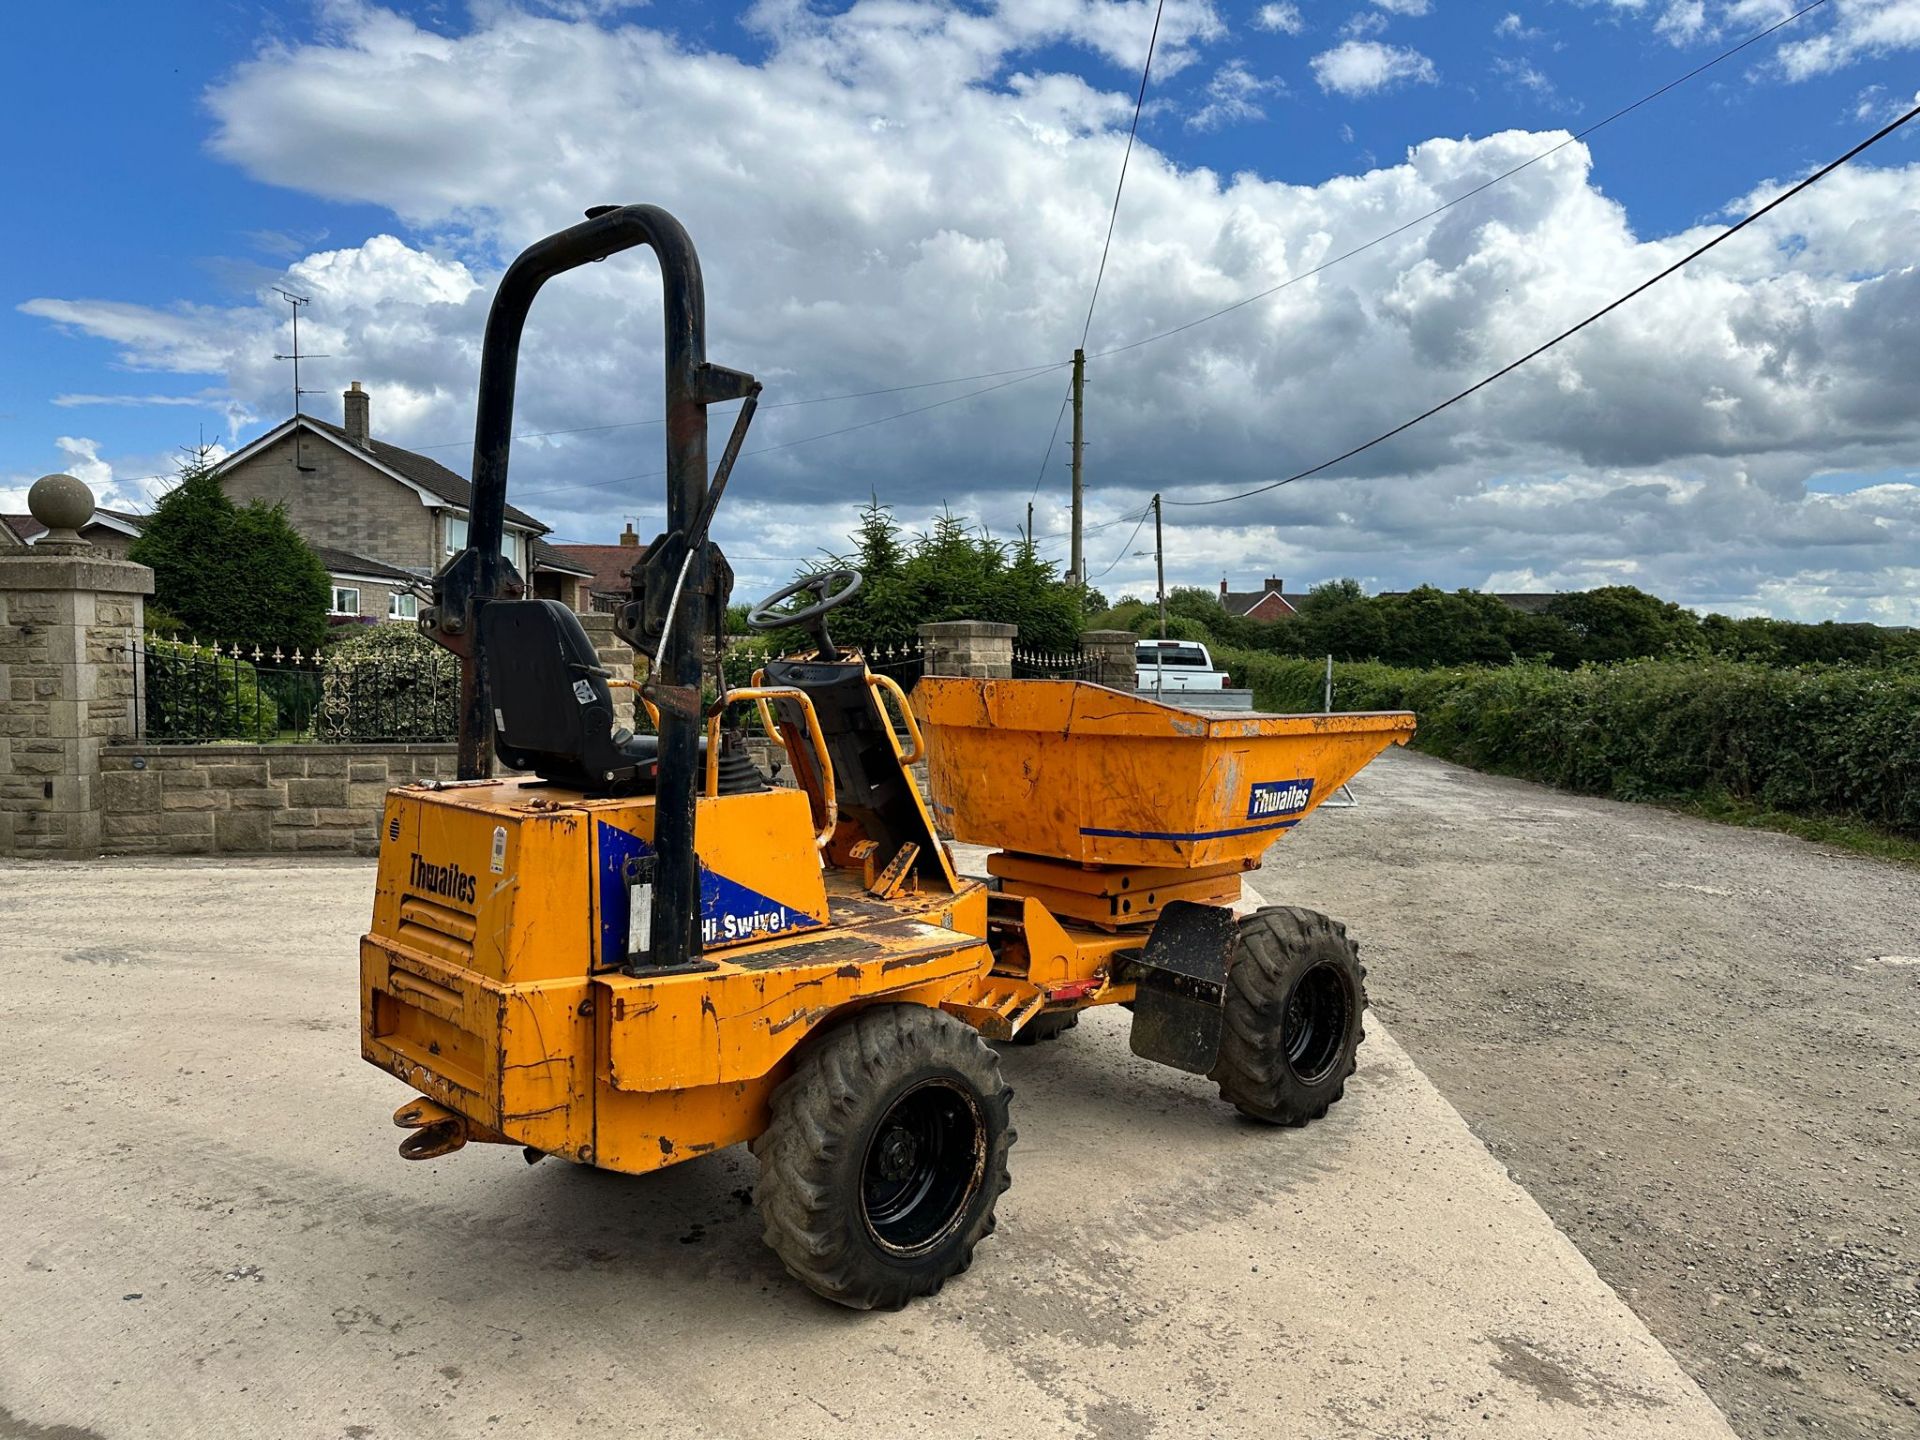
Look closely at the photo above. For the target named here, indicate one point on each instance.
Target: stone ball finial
(63, 504)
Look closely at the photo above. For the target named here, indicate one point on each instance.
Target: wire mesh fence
(192, 691)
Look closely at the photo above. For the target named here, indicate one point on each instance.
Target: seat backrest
(553, 710)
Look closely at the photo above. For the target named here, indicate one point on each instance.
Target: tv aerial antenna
(295, 302)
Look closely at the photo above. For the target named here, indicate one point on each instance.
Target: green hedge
(1819, 740)
(388, 682)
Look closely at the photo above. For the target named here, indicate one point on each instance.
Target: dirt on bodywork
(1697, 1046)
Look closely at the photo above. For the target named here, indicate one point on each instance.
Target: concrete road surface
(207, 1232)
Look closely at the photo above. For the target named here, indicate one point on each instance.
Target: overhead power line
(1065, 400)
(1464, 195)
(1113, 214)
(1128, 546)
(1815, 178)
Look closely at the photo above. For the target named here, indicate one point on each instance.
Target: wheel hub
(1315, 1027)
(898, 1153)
(923, 1167)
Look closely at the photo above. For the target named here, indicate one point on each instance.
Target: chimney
(1276, 585)
(1223, 589)
(358, 418)
(628, 538)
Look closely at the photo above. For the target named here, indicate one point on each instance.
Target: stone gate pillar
(979, 648)
(68, 617)
(1110, 654)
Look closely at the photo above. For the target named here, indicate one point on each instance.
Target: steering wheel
(834, 589)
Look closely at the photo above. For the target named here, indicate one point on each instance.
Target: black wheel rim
(1316, 1023)
(922, 1167)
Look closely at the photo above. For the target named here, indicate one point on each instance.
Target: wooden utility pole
(1079, 569)
(1160, 565)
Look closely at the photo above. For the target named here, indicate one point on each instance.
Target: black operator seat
(553, 710)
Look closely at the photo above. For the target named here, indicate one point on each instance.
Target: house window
(346, 600)
(510, 543)
(403, 605)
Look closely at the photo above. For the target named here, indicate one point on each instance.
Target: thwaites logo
(1276, 799)
(448, 881)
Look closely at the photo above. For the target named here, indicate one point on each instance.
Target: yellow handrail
(766, 713)
(760, 694)
(892, 687)
(653, 711)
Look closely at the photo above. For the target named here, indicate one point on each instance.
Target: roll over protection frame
(480, 574)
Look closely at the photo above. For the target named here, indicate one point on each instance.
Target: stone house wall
(341, 501)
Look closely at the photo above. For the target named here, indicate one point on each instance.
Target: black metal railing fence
(192, 691)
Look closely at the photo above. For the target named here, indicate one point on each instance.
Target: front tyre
(1294, 1004)
(885, 1156)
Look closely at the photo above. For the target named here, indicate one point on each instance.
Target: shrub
(193, 694)
(237, 572)
(1833, 740)
(388, 682)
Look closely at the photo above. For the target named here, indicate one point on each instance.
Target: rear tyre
(1046, 1027)
(886, 1154)
(1295, 1001)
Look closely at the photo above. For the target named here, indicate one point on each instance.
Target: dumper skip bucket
(1078, 772)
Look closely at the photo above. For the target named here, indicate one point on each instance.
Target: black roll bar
(479, 573)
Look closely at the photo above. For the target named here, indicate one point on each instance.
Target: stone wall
(255, 799)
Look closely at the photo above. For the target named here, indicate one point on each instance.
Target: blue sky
(203, 155)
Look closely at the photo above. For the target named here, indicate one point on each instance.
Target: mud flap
(1181, 986)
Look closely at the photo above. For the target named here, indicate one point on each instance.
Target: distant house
(1534, 602)
(111, 531)
(609, 566)
(382, 519)
(1267, 603)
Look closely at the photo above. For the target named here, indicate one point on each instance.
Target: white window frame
(334, 607)
(513, 545)
(403, 605)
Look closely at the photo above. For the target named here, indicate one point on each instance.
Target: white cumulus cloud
(1360, 67)
(1282, 19)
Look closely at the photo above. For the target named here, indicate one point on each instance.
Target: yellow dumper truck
(633, 949)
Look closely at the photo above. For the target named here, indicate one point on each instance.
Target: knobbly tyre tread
(1273, 947)
(1045, 1027)
(811, 1153)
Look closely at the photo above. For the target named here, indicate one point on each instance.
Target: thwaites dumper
(634, 949)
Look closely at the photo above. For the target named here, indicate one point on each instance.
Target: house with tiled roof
(1266, 603)
(382, 519)
(112, 532)
(611, 566)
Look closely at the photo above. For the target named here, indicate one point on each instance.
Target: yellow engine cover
(492, 980)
